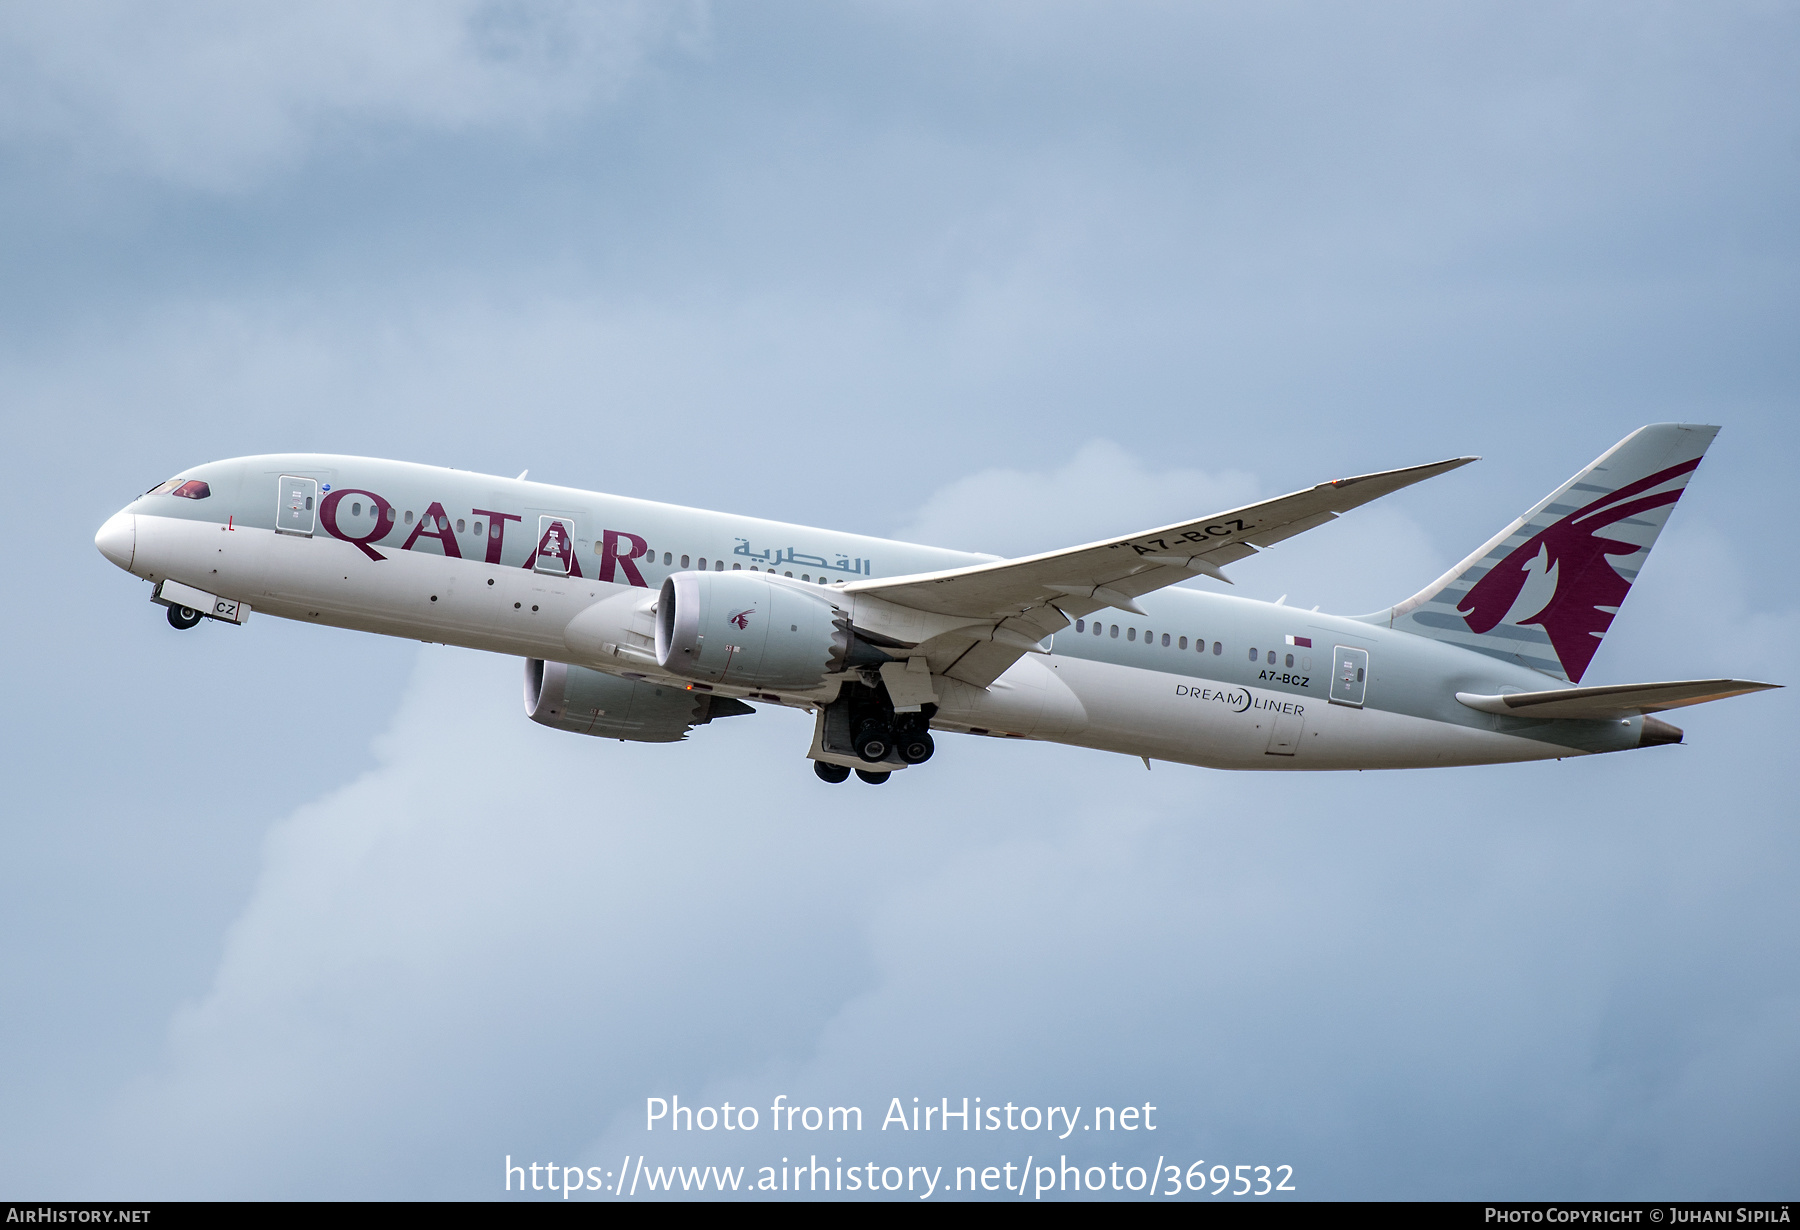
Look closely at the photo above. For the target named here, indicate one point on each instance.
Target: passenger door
(1349, 675)
(296, 508)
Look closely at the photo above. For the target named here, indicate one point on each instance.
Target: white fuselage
(1135, 684)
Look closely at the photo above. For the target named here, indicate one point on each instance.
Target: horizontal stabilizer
(1620, 701)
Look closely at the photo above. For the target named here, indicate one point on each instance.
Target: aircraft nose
(117, 539)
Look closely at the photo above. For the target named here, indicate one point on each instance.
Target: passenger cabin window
(1081, 625)
(460, 526)
(1290, 659)
(1253, 653)
(1218, 648)
(684, 561)
(718, 565)
(1131, 634)
(390, 517)
(702, 563)
(1182, 644)
(1166, 641)
(478, 529)
(356, 509)
(409, 516)
(667, 559)
(1271, 657)
(1115, 632)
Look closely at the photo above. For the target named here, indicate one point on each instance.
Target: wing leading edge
(1013, 604)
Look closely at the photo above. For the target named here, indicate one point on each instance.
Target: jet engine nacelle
(594, 703)
(752, 630)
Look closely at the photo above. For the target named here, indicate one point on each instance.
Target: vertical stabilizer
(1545, 589)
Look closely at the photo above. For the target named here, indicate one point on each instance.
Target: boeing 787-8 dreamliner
(641, 621)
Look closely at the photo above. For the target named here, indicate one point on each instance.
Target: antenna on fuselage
(522, 474)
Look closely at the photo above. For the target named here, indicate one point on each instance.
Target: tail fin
(1545, 589)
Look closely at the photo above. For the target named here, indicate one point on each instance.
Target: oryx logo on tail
(1544, 590)
(1588, 589)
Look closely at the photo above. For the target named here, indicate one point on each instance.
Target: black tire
(874, 779)
(183, 617)
(873, 742)
(916, 747)
(833, 773)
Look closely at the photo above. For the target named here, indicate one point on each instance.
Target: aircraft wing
(1013, 604)
(1620, 700)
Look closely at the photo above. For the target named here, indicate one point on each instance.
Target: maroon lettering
(496, 536)
(611, 557)
(384, 511)
(434, 516)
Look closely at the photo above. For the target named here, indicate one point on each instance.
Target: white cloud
(1099, 492)
(212, 94)
(1374, 557)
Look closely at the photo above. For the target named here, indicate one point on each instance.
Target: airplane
(642, 621)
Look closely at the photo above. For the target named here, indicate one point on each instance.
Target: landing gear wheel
(874, 779)
(833, 773)
(872, 742)
(183, 617)
(916, 748)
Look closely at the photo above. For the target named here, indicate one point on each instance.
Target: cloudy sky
(293, 912)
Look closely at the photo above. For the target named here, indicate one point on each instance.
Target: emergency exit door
(296, 509)
(1349, 675)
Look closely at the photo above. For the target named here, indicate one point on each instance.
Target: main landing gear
(183, 617)
(862, 721)
(835, 773)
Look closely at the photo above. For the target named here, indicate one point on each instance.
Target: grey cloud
(215, 96)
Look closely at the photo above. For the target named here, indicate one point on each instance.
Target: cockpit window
(192, 489)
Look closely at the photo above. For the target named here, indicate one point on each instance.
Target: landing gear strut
(183, 617)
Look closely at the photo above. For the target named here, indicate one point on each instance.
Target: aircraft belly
(408, 594)
(1226, 726)
(1028, 699)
